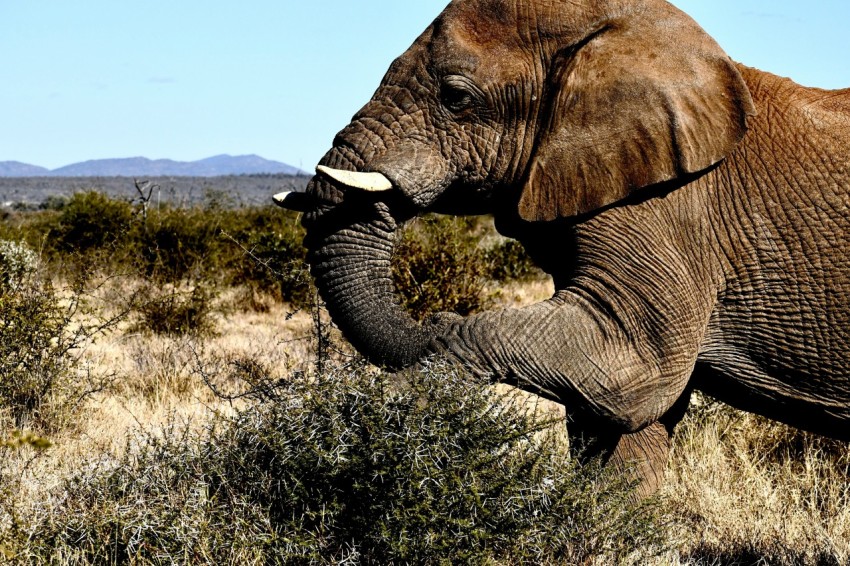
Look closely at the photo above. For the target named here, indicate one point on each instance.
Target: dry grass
(152, 380)
(517, 294)
(740, 490)
(753, 489)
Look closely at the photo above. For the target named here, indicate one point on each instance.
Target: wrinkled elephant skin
(694, 214)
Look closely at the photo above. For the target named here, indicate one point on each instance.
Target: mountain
(129, 167)
(144, 167)
(18, 169)
(245, 164)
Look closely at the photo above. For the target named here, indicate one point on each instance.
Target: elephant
(692, 212)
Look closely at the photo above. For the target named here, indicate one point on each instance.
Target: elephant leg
(643, 453)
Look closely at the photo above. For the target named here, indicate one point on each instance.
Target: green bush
(259, 247)
(444, 263)
(31, 228)
(507, 261)
(180, 243)
(274, 263)
(438, 266)
(176, 310)
(54, 202)
(353, 467)
(39, 360)
(91, 221)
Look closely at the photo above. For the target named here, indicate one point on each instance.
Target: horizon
(125, 158)
(140, 166)
(185, 81)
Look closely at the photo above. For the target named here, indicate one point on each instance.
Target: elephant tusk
(374, 182)
(292, 200)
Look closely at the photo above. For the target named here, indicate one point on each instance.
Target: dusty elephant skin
(693, 213)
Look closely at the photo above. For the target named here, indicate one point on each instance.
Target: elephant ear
(645, 99)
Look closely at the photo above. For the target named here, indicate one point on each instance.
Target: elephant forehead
(490, 10)
(464, 41)
(500, 29)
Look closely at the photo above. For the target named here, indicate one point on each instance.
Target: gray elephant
(694, 214)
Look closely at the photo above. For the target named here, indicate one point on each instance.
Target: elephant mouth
(352, 185)
(344, 190)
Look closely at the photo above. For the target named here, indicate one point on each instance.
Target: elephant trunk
(350, 245)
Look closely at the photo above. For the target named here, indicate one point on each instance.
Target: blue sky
(186, 79)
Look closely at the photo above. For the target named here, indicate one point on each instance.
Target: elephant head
(537, 110)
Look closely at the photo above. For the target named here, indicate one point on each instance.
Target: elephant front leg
(623, 386)
(644, 453)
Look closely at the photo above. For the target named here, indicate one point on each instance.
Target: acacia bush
(91, 221)
(176, 310)
(39, 343)
(444, 263)
(273, 260)
(351, 466)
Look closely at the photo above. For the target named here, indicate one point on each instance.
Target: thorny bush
(352, 466)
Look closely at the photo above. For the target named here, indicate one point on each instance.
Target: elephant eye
(456, 95)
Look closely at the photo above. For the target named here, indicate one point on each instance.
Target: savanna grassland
(172, 392)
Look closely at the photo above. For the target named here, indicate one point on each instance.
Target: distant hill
(216, 166)
(18, 169)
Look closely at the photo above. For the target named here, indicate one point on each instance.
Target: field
(172, 392)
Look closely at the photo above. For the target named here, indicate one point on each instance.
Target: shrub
(507, 261)
(267, 255)
(54, 202)
(259, 247)
(39, 359)
(181, 243)
(176, 310)
(444, 263)
(31, 228)
(17, 263)
(275, 263)
(90, 221)
(357, 467)
(438, 266)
